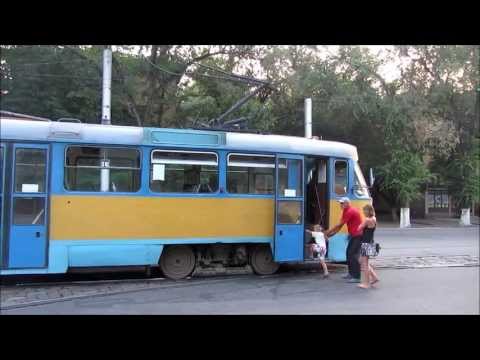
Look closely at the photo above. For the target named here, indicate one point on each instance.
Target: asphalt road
(407, 291)
(429, 241)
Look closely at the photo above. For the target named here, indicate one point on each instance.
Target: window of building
(437, 199)
(183, 172)
(89, 168)
(250, 174)
(341, 177)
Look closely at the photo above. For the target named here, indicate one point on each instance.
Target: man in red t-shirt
(350, 216)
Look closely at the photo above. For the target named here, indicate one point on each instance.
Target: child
(318, 247)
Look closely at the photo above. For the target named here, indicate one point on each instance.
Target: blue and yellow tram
(79, 195)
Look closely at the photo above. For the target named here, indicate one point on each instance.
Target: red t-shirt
(351, 217)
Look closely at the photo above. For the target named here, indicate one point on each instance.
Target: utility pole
(106, 112)
(308, 118)
(107, 85)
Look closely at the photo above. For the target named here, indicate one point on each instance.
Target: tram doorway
(316, 199)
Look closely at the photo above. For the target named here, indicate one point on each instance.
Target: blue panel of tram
(174, 137)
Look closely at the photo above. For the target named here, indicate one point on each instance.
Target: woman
(369, 277)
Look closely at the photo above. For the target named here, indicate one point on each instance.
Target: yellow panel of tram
(116, 217)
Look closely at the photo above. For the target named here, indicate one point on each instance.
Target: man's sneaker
(347, 277)
(353, 280)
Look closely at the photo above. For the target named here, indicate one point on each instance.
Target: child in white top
(318, 246)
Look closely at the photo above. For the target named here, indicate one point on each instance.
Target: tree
(404, 174)
(443, 79)
(58, 81)
(463, 176)
(159, 98)
(65, 81)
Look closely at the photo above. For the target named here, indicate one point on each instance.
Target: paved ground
(430, 222)
(409, 248)
(408, 291)
(429, 241)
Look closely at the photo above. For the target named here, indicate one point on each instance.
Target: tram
(86, 196)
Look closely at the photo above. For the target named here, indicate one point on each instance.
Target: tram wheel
(177, 262)
(261, 260)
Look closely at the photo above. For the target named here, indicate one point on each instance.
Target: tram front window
(361, 188)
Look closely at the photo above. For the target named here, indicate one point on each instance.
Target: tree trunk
(405, 214)
(465, 217)
(405, 217)
(394, 214)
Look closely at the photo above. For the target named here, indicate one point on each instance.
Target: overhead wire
(246, 78)
(62, 76)
(229, 76)
(48, 62)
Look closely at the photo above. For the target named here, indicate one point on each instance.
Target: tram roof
(20, 129)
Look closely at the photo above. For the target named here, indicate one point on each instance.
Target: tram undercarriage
(179, 261)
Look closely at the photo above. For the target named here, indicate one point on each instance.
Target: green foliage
(463, 175)
(404, 174)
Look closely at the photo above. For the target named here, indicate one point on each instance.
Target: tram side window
(1, 173)
(341, 176)
(89, 168)
(2, 177)
(183, 172)
(250, 174)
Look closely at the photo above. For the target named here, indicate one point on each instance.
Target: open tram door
(289, 209)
